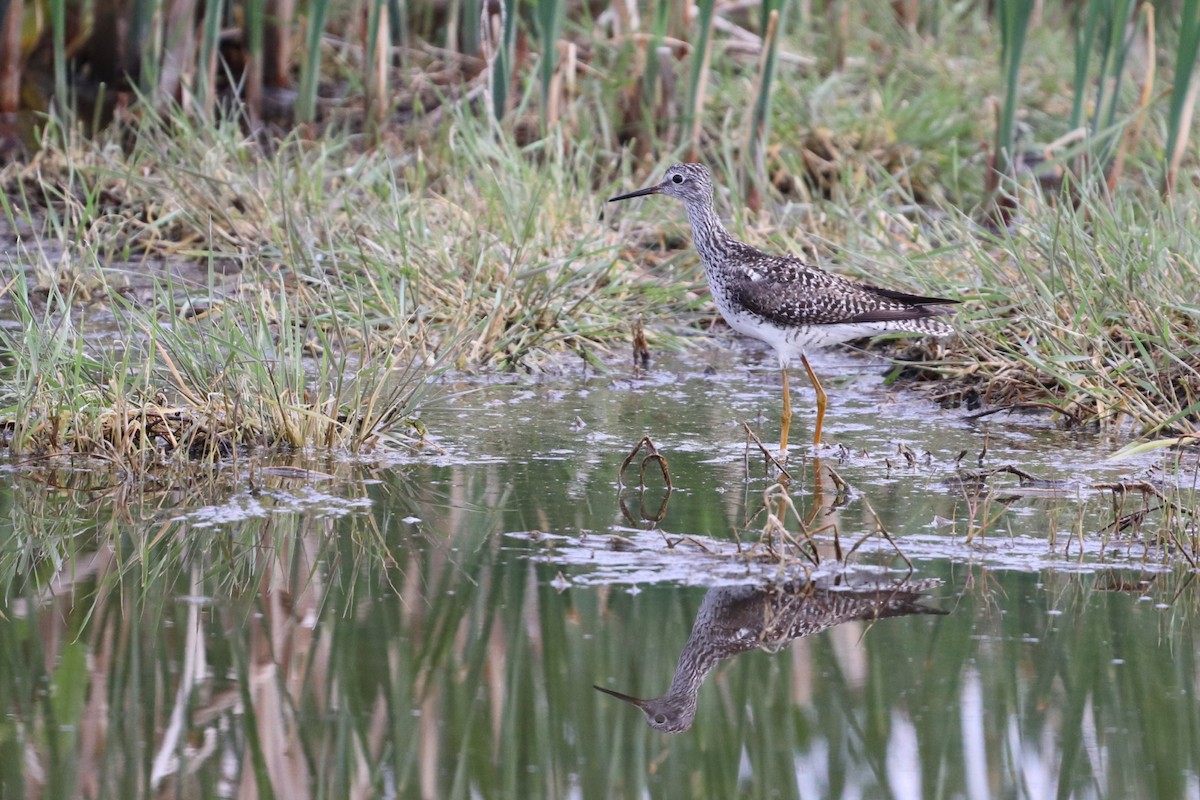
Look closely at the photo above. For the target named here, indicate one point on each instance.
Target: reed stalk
(1183, 92)
(698, 86)
(11, 17)
(310, 66)
(1013, 17)
(548, 15)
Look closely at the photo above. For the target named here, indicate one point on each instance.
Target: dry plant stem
(991, 175)
(1176, 157)
(775, 522)
(743, 41)
(643, 515)
(10, 57)
(750, 521)
(988, 522)
(278, 44)
(377, 70)
(839, 25)
(179, 48)
(653, 455)
(882, 531)
(766, 453)
(1150, 490)
(180, 384)
(1179, 590)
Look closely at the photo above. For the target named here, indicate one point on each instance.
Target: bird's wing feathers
(793, 292)
(911, 299)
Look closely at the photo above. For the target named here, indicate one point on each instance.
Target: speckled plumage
(789, 304)
(781, 300)
(737, 619)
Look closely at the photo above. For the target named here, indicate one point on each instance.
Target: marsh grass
(339, 274)
(301, 298)
(1090, 311)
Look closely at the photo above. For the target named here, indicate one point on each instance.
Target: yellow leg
(786, 419)
(821, 399)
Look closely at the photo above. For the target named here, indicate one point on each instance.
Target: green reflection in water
(311, 645)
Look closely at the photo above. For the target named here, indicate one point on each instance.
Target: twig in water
(641, 350)
(767, 453)
(643, 516)
(882, 531)
(1026, 406)
(839, 483)
(654, 455)
(775, 522)
(1026, 478)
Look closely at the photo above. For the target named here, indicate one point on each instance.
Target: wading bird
(783, 301)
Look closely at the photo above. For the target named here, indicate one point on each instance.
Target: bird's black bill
(638, 193)
(637, 701)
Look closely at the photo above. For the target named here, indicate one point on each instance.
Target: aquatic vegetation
(296, 275)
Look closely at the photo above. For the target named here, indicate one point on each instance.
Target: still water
(432, 624)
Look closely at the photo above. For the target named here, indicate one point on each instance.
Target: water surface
(431, 624)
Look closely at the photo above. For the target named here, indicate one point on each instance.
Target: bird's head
(690, 183)
(669, 714)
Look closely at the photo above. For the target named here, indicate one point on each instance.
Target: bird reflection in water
(736, 619)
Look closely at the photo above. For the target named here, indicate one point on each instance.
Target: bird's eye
(661, 718)
(676, 179)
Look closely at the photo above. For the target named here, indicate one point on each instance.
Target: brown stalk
(1185, 124)
(991, 176)
(839, 27)
(766, 453)
(179, 50)
(278, 44)
(653, 455)
(377, 78)
(10, 57)
(1129, 142)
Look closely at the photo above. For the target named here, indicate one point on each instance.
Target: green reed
(1012, 17)
(1183, 91)
(310, 69)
